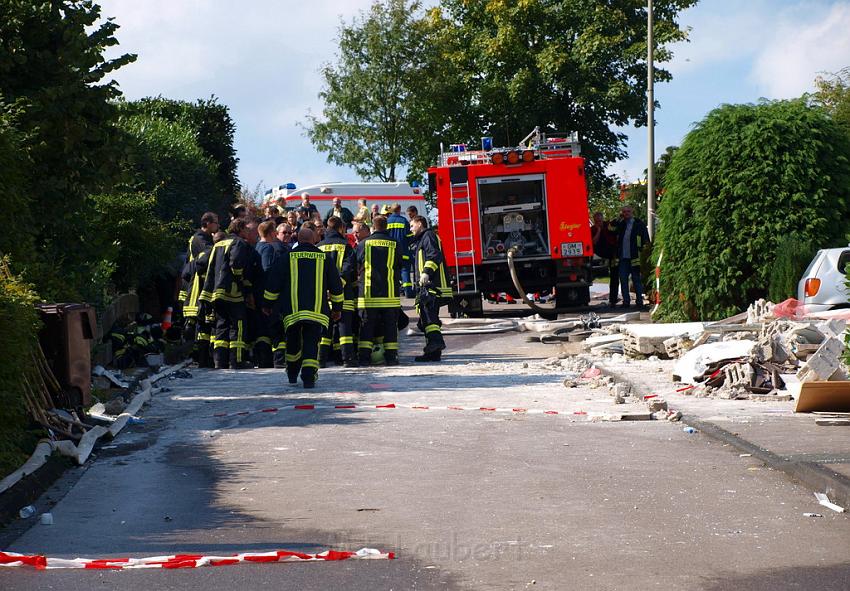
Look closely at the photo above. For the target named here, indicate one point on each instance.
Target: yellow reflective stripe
(395, 226)
(293, 358)
(319, 295)
(367, 288)
(420, 258)
(305, 315)
(325, 341)
(279, 347)
(365, 345)
(391, 346)
(348, 305)
(270, 296)
(339, 249)
(238, 345)
(378, 302)
(337, 298)
(182, 295)
(346, 340)
(266, 340)
(311, 363)
(189, 248)
(203, 336)
(432, 328)
(391, 291)
(431, 265)
(293, 287)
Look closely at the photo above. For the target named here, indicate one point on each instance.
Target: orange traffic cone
(166, 318)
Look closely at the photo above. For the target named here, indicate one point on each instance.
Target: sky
(261, 58)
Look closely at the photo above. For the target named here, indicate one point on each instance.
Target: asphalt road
(467, 499)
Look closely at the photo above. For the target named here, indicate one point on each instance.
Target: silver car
(822, 286)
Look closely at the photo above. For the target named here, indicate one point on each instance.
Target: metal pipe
(650, 124)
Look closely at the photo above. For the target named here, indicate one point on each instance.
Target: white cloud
(797, 51)
(260, 58)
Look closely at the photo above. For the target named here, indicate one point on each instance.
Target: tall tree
(368, 121)
(571, 66)
(833, 94)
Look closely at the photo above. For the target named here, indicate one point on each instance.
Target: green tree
(165, 159)
(744, 178)
(571, 66)
(833, 94)
(214, 131)
(371, 100)
(53, 71)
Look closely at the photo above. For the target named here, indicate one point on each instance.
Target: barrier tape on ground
(40, 562)
(487, 409)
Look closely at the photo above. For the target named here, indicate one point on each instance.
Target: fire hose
(515, 278)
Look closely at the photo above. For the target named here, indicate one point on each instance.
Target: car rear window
(843, 260)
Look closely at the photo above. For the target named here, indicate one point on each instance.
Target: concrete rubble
(758, 354)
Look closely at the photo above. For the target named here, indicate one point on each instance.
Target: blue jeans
(406, 273)
(630, 268)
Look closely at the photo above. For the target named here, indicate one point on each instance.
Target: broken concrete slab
(823, 363)
(648, 339)
(694, 363)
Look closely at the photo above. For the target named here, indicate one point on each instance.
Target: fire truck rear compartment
(513, 215)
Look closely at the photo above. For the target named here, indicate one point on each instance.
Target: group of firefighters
(302, 293)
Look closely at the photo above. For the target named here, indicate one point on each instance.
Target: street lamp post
(650, 125)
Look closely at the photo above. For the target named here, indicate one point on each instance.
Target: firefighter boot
(324, 351)
(234, 363)
(427, 357)
(221, 357)
(391, 357)
(202, 355)
(364, 357)
(434, 342)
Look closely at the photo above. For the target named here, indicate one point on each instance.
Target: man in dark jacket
(339, 337)
(228, 290)
(632, 237)
(198, 327)
(604, 236)
(341, 212)
(379, 269)
(429, 273)
(303, 287)
(399, 230)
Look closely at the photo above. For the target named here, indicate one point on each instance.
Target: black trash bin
(66, 339)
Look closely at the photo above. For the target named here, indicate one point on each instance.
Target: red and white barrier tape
(39, 562)
(390, 406)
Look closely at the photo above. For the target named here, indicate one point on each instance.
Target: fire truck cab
(523, 207)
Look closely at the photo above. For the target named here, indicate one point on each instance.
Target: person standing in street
(269, 249)
(307, 207)
(228, 291)
(399, 230)
(604, 235)
(198, 327)
(632, 237)
(379, 268)
(429, 273)
(339, 337)
(306, 282)
(341, 212)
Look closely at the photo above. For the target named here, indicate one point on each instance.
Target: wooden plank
(824, 396)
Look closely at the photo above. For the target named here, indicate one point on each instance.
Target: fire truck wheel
(572, 297)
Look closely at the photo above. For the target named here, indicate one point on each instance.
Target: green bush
(744, 178)
(20, 327)
(165, 159)
(793, 255)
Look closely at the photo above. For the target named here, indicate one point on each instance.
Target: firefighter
(399, 230)
(379, 261)
(228, 291)
(305, 281)
(268, 250)
(340, 336)
(429, 272)
(194, 272)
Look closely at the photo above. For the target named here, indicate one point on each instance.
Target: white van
(322, 195)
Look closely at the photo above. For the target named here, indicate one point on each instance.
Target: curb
(811, 475)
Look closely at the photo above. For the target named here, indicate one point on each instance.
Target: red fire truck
(515, 220)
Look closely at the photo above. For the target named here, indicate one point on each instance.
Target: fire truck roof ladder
(464, 244)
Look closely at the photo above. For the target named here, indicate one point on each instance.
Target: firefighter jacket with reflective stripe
(198, 243)
(428, 257)
(341, 255)
(226, 280)
(302, 286)
(379, 263)
(399, 228)
(194, 274)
